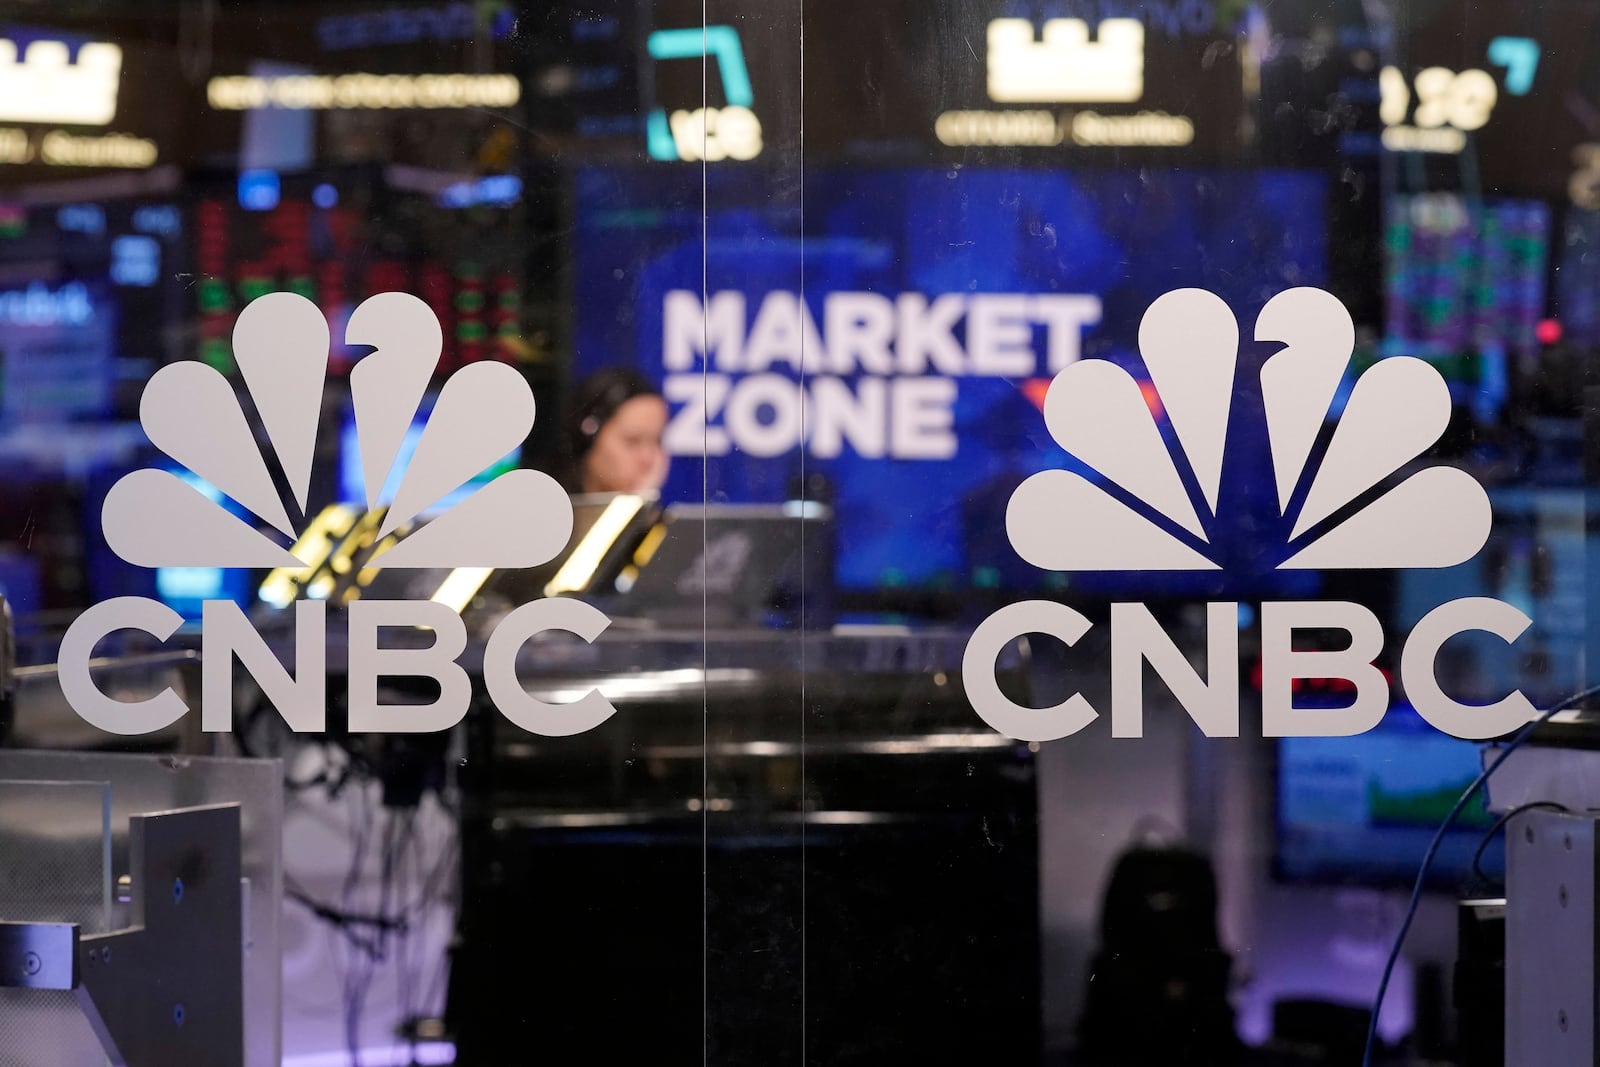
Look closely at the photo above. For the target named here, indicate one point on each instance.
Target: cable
(353, 984)
(1499, 824)
(380, 921)
(343, 920)
(1433, 848)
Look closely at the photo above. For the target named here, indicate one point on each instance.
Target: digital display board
(75, 101)
(1497, 98)
(936, 307)
(1084, 81)
(1362, 810)
(316, 237)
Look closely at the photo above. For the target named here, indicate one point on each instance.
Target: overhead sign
(1100, 68)
(1064, 66)
(363, 91)
(459, 21)
(1509, 85)
(42, 85)
(1445, 106)
(709, 133)
(1081, 76)
(62, 103)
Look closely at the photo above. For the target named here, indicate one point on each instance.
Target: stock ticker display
(322, 246)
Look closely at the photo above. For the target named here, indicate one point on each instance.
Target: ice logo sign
(155, 518)
(705, 133)
(1061, 520)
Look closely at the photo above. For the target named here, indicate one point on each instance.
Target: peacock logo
(154, 518)
(1060, 520)
(1156, 507)
(190, 411)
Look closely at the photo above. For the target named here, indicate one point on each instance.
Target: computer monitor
(1464, 286)
(1362, 810)
(1536, 559)
(736, 565)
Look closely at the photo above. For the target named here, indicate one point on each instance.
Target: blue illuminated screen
(1123, 237)
(1361, 810)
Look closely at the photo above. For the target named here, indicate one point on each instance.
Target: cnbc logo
(1143, 515)
(154, 518)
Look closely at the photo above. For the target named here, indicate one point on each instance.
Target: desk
(780, 841)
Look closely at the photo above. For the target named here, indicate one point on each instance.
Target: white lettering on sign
(1060, 520)
(880, 373)
(1088, 129)
(869, 333)
(60, 149)
(1449, 104)
(770, 414)
(155, 518)
(363, 91)
(714, 134)
(15, 146)
(1155, 128)
(971, 128)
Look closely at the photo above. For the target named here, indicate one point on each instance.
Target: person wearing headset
(613, 435)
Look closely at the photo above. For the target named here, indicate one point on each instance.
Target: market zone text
(1213, 701)
(880, 372)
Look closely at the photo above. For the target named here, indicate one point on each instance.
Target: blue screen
(934, 521)
(1362, 810)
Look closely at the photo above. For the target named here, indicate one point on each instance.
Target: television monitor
(1361, 810)
(1464, 285)
(914, 435)
(735, 565)
(1536, 559)
(91, 293)
(57, 352)
(1578, 278)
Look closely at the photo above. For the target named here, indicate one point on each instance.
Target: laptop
(733, 565)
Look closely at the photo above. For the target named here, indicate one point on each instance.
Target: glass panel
(133, 785)
(55, 866)
(62, 874)
(986, 426)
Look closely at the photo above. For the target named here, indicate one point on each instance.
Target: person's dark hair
(594, 400)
